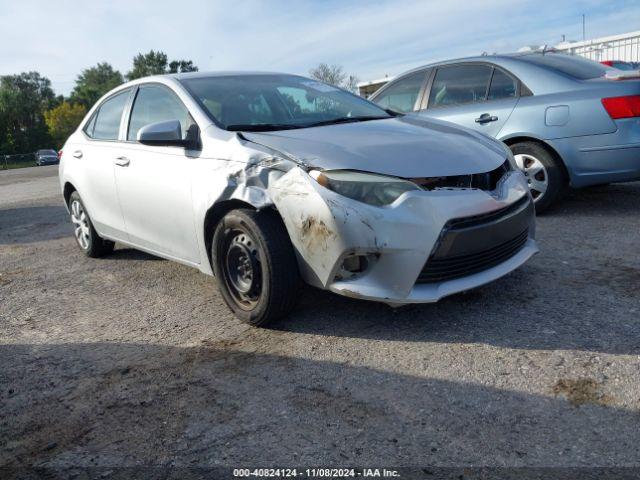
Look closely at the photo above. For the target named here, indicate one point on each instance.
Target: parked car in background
(567, 119)
(260, 179)
(46, 157)
(620, 65)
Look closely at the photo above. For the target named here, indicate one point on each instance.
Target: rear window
(573, 66)
(105, 123)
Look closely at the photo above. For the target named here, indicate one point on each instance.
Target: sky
(370, 39)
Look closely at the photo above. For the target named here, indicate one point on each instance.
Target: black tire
(553, 170)
(95, 246)
(255, 265)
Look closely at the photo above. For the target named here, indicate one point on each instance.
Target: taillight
(59, 154)
(622, 107)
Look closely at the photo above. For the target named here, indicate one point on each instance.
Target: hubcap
(536, 174)
(242, 269)
(81, 222)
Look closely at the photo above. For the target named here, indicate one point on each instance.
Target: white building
(365, 89)
(624, 47)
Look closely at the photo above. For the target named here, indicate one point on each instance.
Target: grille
(439, 270)
(472, 244)
(483, 181)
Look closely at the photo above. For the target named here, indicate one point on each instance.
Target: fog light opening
(353, 265)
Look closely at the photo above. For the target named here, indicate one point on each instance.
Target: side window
(89, 127)
(106, 122)
(156, 104)
(401, 95)
(460, 84)
(502, 86)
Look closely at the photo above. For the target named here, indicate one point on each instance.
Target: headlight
(512, 161)
(369, 188)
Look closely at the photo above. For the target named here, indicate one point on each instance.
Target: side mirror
(167, 133)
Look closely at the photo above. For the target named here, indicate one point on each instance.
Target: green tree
(157, 63)
(23, 100)
(94, 82)
(63, 120)
(179, 66)
(152, 63)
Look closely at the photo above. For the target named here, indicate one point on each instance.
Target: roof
(229, 73)
(482, 58)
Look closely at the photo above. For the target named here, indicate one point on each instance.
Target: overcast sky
(369, 38)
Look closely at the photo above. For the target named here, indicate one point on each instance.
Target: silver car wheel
(80, 220)
(536, 173)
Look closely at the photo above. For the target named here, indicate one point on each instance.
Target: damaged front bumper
(424, 246)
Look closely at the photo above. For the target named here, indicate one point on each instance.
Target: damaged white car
(264, 180)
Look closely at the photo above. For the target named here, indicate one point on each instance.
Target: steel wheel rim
(536, 173)
(81, 224)
(242, 269)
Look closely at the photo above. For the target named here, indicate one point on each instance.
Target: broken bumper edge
(432, 292)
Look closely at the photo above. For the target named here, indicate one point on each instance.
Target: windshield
(277, 102)
(573, 66)
(47, 152)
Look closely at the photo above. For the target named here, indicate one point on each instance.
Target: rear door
(96, 155)
(474, 95)
(154, 182)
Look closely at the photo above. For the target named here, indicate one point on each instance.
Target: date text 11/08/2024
(316, 472)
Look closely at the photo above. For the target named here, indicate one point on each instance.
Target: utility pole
(584, 37)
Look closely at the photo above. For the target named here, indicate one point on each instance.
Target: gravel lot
(134, 360)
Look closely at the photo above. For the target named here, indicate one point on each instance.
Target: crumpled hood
(402, 146)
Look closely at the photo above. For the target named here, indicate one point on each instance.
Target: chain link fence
(20, 160)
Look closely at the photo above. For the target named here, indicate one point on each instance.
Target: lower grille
(439, 270)
(473, 244)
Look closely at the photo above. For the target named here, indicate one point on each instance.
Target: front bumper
(325, 228)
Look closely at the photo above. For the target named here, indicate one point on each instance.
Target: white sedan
(264, 180)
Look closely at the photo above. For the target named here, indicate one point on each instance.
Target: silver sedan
(264, 180)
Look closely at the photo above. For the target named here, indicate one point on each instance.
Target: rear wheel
(544, 173)
(255, 265)
(86, 236)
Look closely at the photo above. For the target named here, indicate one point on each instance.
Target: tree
(94, 82)
(179, 66)
(156, 63)
(63, 120)
(352, 84)
(334, 75)
(23, 100)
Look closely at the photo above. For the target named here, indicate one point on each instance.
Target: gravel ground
(134, 360)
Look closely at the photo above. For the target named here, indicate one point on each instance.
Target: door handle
(486, 118)
(122, 161)
(77, 154)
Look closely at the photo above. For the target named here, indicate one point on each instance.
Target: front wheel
(255, 265)
(544, 173)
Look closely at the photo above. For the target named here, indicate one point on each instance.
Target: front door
(154, 182)
(476, 96)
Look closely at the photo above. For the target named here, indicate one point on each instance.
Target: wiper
(261, 127)
(346, 120)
